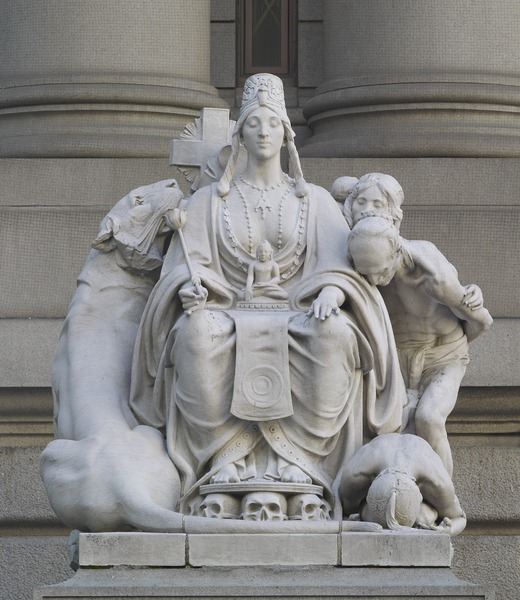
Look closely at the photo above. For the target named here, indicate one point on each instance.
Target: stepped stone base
(386, 566)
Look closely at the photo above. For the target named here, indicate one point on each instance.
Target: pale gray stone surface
(392, 549)
(310, 10)
(62, 220)
(223, 51)
(388, 549)
(490, 560)
(32, 182)
(397, 83)
(259, 550)
(31, 560)
(124, 94)
(268, 583)
(28, 347)
(494, 358)
(310, 54)
(430, 182)
(22, 495)
(113, 549)
(223, 10)
(25, 417)
(486, 477)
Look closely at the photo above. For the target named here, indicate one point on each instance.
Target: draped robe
(345, 382)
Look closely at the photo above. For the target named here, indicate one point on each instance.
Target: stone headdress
(266, 90)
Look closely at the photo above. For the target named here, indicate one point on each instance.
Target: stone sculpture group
(260, 351)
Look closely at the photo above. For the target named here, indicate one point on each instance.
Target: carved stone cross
(199, 142)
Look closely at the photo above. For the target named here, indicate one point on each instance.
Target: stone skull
(220, 506)
(264, 506)
(308, 507)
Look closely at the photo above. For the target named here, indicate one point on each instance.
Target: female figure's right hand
(191, 299)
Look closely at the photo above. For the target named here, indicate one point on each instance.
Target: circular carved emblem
(262, 386)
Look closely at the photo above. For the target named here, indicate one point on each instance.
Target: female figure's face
(263, 133)
(370, 199)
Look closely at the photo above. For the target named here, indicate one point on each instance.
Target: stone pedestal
(411, 79)
(371, 565)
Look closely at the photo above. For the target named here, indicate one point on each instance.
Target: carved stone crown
(263, 89)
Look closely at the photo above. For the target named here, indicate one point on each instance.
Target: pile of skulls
(265, 506)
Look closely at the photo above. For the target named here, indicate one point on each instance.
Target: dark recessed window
(266, 37)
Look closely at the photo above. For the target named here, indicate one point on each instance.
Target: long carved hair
(263, 90)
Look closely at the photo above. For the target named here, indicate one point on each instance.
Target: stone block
(98, 182)
(262, 549)
(494, 356)
(485, 416)
(310, 54)
(22, 496)
(29, 561)
(136, 549)
(395, 549)
(310, 10)
(490, 560)
(223, 10)
(28, 347)
(60, 221)
(486, 478)
(429, 182)
(42, 286)
(223, 53)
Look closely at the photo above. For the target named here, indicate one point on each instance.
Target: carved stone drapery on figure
(262, 360)
(340, 366)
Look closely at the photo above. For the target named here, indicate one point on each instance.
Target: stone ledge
(387, 549)
(273, 583)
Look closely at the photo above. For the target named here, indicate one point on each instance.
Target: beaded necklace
(264, 206)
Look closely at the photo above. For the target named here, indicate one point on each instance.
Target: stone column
(412, 79)
(101, 78)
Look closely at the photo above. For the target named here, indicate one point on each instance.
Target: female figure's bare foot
(227, 474)
(293, 474)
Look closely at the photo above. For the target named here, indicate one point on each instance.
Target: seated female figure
(319, 377)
